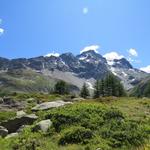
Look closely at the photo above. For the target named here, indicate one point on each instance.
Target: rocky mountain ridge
(86, 67)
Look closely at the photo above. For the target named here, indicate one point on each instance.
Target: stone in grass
(12, 135)
(20, 113)
(1, 100)
(43, 126)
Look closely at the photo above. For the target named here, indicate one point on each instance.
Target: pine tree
(110, 86)
(121, 91)
(61, 88)
(97, 89)
(102, 88)
(84, 91)
(147, 90)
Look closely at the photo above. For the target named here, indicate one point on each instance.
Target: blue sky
(36, 27)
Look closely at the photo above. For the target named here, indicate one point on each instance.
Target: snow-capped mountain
(124, 70)
(85, 67)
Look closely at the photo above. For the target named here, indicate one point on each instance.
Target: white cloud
(92, 47)
(113, 55)
(52, 54)
(1, 31)
(132, 52)
(85, 10)
(146, 69)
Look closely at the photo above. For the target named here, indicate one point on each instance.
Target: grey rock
(48, 105)
(8, 101)
(1, 100)
(20, 113)
(43, 125)
(3, 131)
(12, 135)
(78, 99)
(30, 100)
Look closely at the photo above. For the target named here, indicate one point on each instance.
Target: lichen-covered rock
(11, 135)
(48, 105)
(20, 113)
(1, 100)
(43, 126)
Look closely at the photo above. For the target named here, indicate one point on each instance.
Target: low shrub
(75, 135)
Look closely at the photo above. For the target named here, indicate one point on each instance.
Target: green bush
(75, 135)
(107, 123)
(113, 114)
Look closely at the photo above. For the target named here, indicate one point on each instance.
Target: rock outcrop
(48, 105)
(43, 126)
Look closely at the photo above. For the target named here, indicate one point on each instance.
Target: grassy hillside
(27, 81)
(108, 124)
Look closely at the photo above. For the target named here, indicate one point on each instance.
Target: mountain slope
(86, 67)
(142, 89)
(125, 71)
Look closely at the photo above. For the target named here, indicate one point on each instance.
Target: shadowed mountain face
(142, 89)
(86, 67)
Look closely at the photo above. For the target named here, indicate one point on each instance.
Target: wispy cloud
(146, 69)
(92, 47)
(52, 54)
(112, 56)
(85, 10)
(1, 31)
(133, 52)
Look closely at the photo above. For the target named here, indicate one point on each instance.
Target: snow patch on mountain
(112, 69)
(90, 86)
(146, 69)
(124, 74)
(83, 58)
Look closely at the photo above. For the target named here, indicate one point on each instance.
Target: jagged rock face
(94, 65)
(86, 65)
(71, 61)
(122, 63)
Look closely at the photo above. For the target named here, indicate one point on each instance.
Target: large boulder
(14, 124)
(43, 126)
(48, 105)
(3, 131)
(20, 113)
